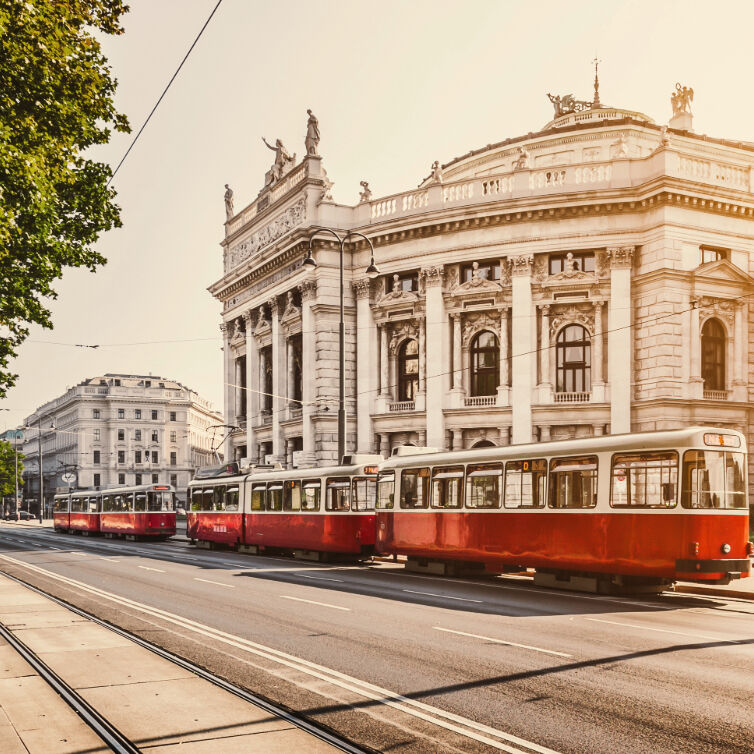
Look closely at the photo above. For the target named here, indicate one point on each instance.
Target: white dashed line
(659, 630)
(321, 578)
(219, 583)
(501, 641)
(443, 596)
(313, 602)
(147, 568)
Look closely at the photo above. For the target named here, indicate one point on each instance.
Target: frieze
(276, 228)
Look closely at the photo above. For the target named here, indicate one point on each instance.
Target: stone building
(591, 277)
(119, 429)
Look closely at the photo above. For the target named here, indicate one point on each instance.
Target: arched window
(485, 370)
(573, 360)
(713, 355)
(408, 370)
(483, 444)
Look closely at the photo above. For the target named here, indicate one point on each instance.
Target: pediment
(723, 269)
(570, 277)
(397, 298)
(476, 285)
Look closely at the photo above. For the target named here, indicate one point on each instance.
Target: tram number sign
(220, 529)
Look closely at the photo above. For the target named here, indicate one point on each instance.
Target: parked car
(25, 516)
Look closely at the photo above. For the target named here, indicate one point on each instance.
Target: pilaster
(252, 391)
(228, 392)
(619, 342)
(437, 346)
(366, 364)
(523, 347)
(278, 380)
(308, 359)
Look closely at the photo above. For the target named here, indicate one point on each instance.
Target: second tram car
(634, 509)
(319, 513)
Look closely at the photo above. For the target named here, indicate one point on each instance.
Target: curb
(711, 590)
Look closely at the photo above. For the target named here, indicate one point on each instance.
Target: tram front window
(161, 501)
(385, 490)
(713, 479)
(364, 494)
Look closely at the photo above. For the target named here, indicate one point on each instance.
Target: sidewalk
(156, 704)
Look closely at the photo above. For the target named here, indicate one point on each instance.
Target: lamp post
(309, 265)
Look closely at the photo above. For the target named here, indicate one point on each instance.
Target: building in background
(593, 276)
(119, 429)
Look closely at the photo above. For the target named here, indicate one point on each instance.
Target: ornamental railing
(572, 397)
(401, 406)
(716, 395)
(480, 400)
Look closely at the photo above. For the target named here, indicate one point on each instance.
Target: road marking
(313, 602)
(147, 568)
(219, 583)
(433, 715)
(187, 557)
(111, 560)
(54, 548)
(659, 630)
(443, 596)
(321, 578)
(76, 552)
(500, 641)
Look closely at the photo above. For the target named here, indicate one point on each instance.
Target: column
(252, 396)
(619, 341)
(437, 358)
(523, 348)
(503, 391)
(457, 439)
(238, 389)
(696, 383)
(228, 392)
(457, 358)
(598, 382)
(290, 375)
(740, 357)
(385, 391)
(545, 385)
(366, 364)
(544, 433)
(278, 380)
(420, 401)
(308, 369)
(385, 445)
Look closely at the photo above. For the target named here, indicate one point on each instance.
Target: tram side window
(312, 492)
(525, 483)
(196, 498)
(364, 494)
(385, 490)
(95, 505)
(447, 487)
(414, 488)
(292, 496)
(231, 499)
(76, 505)
(119, 503)
(573, 482)
(713, 479)
(338, 494)
(207, 499)
(275, 496)
(218, 498)
(257, 497)
(107, 503)
(648, 480)
(484, 485)
(61, 505)
(140, 501)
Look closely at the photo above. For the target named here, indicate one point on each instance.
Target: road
(413, 663)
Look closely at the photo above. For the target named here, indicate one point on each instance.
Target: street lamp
(371, 271)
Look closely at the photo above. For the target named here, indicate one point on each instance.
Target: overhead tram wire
(165, 91)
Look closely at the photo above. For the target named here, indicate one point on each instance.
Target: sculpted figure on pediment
(477, 283)
(239, 331)
(401, 331)
(262, 322)
(291, 310)
(396, 293)
(570, 271)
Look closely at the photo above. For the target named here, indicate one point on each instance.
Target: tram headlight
(725, 549)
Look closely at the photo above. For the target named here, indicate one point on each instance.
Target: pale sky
(395, 85)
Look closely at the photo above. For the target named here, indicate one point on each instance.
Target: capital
(362, 288)
(521, 265)
(433, 276)
(274, 305)
(620, 257)
(248, 318)
(308, 290)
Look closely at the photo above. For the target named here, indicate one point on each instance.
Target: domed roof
(594, 115)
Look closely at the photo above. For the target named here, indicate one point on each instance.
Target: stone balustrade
(480, 400)
(401, 406)
(572, 397)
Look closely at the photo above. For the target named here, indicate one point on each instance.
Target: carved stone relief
(401, 331)
(580, 314)
(476, 322)
(720, 308)
(620, 257)
(521, 265)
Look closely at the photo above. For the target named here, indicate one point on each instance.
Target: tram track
(108, 733)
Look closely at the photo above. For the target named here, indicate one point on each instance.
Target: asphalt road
(412, 663)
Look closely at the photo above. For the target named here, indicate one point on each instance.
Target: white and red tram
(647, 508)
(144, 512)
(322, 512)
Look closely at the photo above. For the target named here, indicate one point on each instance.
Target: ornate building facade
(592, 277)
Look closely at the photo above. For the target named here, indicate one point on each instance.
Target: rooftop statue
(283, 162)
(228, 202)
(563, 105)
(312, 134)
(681, 99)
(366, 194)
(436, 172)
(522, 161)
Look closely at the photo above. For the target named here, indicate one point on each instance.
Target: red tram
(145, 511)
(313, 513)
(604, 512)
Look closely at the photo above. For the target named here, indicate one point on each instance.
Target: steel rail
(99, 724)
(315, 730)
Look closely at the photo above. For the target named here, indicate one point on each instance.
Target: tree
(8, 469)
(56, 101)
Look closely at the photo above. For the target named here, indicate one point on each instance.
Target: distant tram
(322, 513)
(604, 512)
(143, 512)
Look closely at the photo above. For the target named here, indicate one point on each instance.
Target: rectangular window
(484, 485)
(95, 458)
(414, 488)
(231, 498)
(194, 498)
(218, 498)
(713, 254)
(647, 480)
(312, 492)
(257, 497)
(172, 416)
(174, 480)
(154, 456)
(121, 434)
(121, 456)
(154, 416)
(96, 435)
(155, 436)
(94, 505)
(121, 413)
(338, 494)
(121, 478)
(97, 479)
(583, 261)
(137, 479)
(173, 436)
(573, 482)
(713, 479)
(292, 496)
(385, 491)
(140, 499)
(173, 458)
(155, 478)
(107, 503)
(137, 435)
(95, 413)
(489, 270)
(275, 496)
(525, 483)
(364, 493)
(137, 457)
(405, 281)
(447, 487)
(137, 413)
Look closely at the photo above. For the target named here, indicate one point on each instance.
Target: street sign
(68, 478)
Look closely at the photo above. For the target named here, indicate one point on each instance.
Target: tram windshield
(161, 501)
(364, 494)
(714, 479)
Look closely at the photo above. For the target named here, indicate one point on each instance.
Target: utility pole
(41, 475)
(15, 448)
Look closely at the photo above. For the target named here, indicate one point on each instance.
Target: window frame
(579, 371)
(685, 503)
(370, 504)
(288, 502)
(383, 479)
(333, 483)
(553, 484)
(274, 502)
(472, 472)
(408, 382)
(644, 456)
(480, 373)
(314, 485)
(714, 373)
(444, 474)
(536, 481)
(422, 488)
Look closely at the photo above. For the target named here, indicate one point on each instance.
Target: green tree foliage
(56, 101)
(8, 469)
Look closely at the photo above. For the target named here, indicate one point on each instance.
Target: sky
(395, 85)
